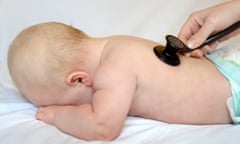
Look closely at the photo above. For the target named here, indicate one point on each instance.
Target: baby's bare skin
(194, 92)
(131, 80)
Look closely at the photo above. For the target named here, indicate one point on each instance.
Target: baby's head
(42, 57)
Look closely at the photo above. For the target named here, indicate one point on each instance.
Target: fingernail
(191, 44)
(200, 54)
(39, 116)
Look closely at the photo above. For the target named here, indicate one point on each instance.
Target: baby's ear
(78, 78)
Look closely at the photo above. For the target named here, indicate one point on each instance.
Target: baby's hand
(47, 114)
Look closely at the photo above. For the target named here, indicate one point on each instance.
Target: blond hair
(46, 49)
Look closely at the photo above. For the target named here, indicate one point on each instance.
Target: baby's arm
(104, 118)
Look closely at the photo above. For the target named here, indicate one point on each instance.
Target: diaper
(227, 61)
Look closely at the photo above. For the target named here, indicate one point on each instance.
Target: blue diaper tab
(231, 71)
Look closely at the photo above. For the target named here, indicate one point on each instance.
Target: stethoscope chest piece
(168, 54)
(171, 59)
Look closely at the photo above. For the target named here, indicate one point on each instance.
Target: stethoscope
(174, 45)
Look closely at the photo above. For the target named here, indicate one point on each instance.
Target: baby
(87, 86)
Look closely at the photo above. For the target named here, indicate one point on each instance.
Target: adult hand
(202, 24)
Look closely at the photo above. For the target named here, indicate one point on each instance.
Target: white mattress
(151, 19)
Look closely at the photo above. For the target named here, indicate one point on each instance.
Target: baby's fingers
(46, 115)
(40, 114)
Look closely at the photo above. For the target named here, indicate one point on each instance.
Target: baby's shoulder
(127, 40)
(123, 45)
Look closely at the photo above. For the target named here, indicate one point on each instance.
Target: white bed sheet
(151, 19)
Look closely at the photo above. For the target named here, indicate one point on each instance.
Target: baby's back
(193, 92)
